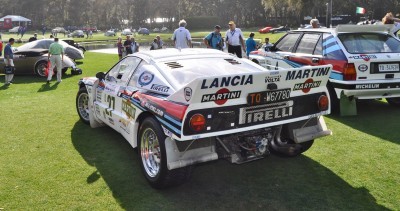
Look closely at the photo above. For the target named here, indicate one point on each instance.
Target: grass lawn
(49, 160)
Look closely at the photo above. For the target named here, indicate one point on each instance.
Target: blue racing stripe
(332, 49)
(173, 120)
(337, 76)
(166, 124)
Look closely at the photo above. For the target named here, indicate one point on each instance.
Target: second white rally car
(191, 106)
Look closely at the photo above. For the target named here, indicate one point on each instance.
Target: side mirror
(100, 75)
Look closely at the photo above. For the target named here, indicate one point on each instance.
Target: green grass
(49, 160)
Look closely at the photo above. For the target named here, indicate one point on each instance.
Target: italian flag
(360, 10)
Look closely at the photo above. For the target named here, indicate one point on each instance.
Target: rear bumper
(371, 89)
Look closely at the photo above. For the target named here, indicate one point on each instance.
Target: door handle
(315, 60)
(286, 57)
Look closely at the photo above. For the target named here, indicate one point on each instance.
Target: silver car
(70, 51)
(35, 61)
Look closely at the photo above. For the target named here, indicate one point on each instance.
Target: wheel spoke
(150, 152)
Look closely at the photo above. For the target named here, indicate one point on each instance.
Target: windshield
(369, 43)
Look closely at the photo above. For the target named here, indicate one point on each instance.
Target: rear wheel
(395, 101)
(40, 68)
(82, 105)
(153, 157)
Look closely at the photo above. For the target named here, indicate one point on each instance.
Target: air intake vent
(173, 65)
(232, 61)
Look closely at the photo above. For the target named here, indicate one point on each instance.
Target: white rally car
(197, 105)
(365, 59)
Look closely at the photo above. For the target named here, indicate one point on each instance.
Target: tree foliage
(110, 13)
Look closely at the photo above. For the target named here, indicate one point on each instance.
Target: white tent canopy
(15, 18)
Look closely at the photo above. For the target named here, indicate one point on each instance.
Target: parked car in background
(76, 45)
(110, 33)
(156, 30)
(144, 31)
(77, 33)
(179, 110)
(59, 30)
(365, 61)
(70, 51)
(126, 32)
(35, 61)
(164, 29)
(279, 29)
(265, 30)
(14, 29)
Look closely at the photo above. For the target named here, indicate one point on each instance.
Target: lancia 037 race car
(191, 106)
(365, 59)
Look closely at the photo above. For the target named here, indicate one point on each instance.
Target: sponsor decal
(307, 73)
(145, 78)
(160, 88)
(227, 81)
(221, 96)
(188, 93)
(97, 110)
(272, 79)
(99, 93)
(128, 109)
(307, 85)
(367, 86)
(259, 114)
(111, 120)
(364, 57)
(153, 108)
(363, 68)
(124, 125)
(167, 132)
(274, 73)
(111, 88)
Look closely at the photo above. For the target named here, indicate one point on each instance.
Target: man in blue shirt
(251, 45)
(214, 39)
(9, 60)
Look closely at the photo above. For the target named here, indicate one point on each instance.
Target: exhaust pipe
(283, 147)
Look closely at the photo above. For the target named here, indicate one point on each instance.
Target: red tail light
(197, 122)
(349, 72)
(323, 103)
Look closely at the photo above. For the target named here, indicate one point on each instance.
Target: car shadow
(376, 118)
(273, 183)
(28, 79)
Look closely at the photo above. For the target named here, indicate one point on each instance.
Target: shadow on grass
(270, 184)
(376, 118)
(27, 79)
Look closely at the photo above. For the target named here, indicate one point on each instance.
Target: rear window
(369, 43)
(287, 43)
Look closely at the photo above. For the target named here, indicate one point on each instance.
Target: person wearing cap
(56, 58)
(214, 39)
(33, 38)
(182, 37)
(234, 39)
(250, 44)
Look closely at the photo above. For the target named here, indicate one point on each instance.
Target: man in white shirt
(234, 39)
(181, 36)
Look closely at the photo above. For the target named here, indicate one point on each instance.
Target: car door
(109, 92)
(282, 51)
(308, 50)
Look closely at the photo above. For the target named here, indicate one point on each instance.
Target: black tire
(82, 105)
(83, 49)
(64, 70)
(395, 101)
(40, 68)
(335, 102)
(154, 167)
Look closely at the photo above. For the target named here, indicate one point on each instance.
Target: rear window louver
(232, 61)
(173, 65)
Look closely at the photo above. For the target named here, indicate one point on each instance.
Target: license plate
(389, 68)
(259, 98)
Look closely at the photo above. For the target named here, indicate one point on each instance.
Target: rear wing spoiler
(232, 89)
(364, 28)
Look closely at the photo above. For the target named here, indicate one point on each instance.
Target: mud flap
(348, 105)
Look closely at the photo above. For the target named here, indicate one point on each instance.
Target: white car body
(355, 74)
(14, 29)
(173, 87)
(126, 32)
